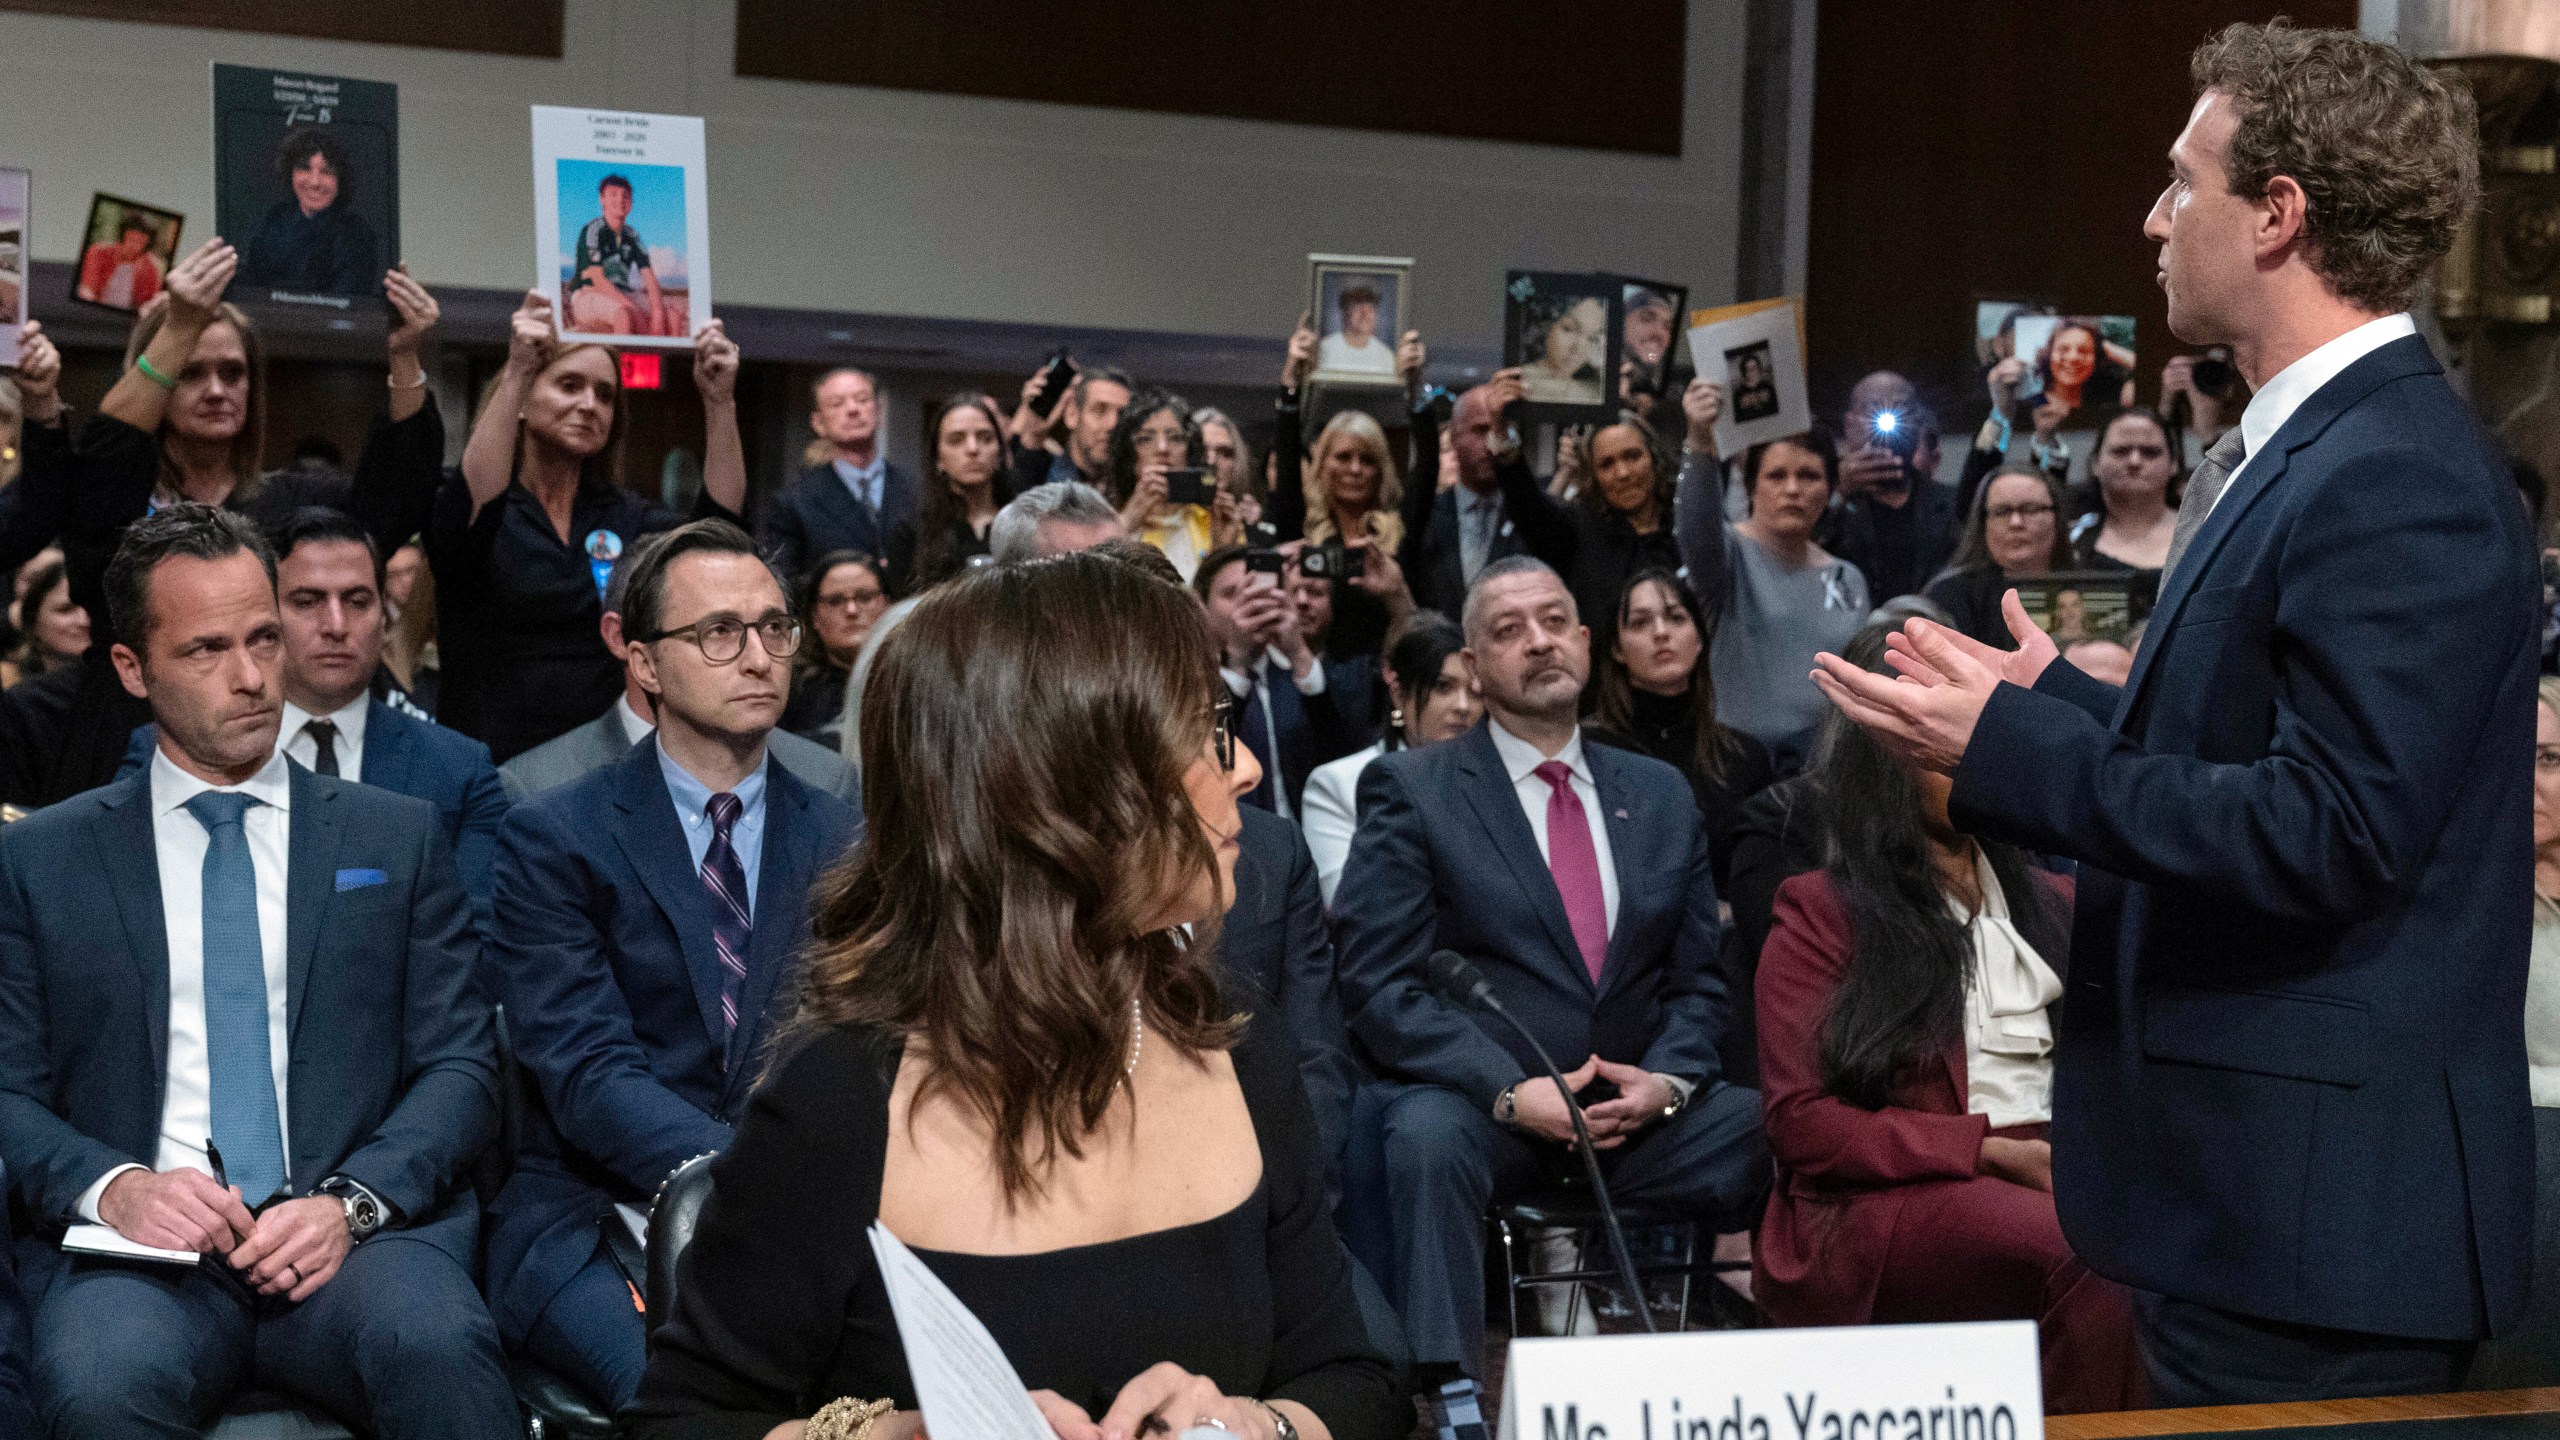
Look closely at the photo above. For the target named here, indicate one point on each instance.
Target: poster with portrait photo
(1756, 352)
(16, 186)
(1562, 331)
(1359, 307)
(125, 253)
(2086, 362)
(622, 225)
(2076, 605)
(306, 183)
(1649, 340)
(1995, 320)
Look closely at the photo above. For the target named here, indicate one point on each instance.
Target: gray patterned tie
(2203, 488)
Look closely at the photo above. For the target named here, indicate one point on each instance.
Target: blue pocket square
(358, 879)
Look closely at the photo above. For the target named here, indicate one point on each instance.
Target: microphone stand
(1470, 986)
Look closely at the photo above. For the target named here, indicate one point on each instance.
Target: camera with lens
(1328, 561)
(2214, 373)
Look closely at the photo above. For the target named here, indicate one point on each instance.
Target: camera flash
(1886, 422)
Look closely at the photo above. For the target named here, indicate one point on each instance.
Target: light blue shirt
(865, 481)
(693, 812)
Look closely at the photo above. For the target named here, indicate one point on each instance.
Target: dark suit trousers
(1446, 1160)
(1986, 1249)
(397, 1344)
(2198, 1355)
(591, 1333)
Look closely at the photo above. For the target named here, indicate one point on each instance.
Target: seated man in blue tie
(1576, 878)
(330, 581)
(1289, 715)
(230, 959)
(647, 920)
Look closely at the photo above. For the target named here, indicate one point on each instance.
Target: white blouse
(2008, 1017)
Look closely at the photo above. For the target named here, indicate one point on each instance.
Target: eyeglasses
(2003, 514)
(1223, 728)
(852, 600)
(723, 638)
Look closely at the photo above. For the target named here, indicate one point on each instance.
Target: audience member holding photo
(1620, 513)
(1351, 491)
(522, 535)
(312, 240)
(2014, 532)
(123, 275)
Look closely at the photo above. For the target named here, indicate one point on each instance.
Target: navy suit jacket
(392, 1078)
(1444, 859)
(2290, 1078)
(1275, 947)
(603, 956)
(818, 513)
(421, 759)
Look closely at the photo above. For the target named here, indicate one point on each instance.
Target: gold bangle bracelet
(847, 1419)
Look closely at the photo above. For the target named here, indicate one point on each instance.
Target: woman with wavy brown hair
(1012, 1052)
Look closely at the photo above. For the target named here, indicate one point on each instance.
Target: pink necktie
(1576, 866)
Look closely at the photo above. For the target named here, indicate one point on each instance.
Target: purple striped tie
(726, 882)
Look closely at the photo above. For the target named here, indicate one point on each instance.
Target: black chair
(672, 1217)
(1570, 1206)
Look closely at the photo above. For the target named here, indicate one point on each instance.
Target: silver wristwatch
(1506, 1106)
(1279, 1422)
(364, 1213)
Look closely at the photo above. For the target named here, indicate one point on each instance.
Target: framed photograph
(1649, 337)
(1995, 320)
(1563, 332)
(125, 253)
(2085, 361)
(2076, 605)
(15, 188)
(622, 225)
(1756, 352)
(306, 181)
(1360, 305)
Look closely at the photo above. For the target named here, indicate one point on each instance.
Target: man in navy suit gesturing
(647, 918)
(1576, 877)
(240, 1017)
(2290, 1099)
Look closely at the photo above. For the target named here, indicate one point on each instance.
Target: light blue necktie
(245, 1125)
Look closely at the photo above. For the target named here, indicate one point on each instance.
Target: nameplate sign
(1871, 1382)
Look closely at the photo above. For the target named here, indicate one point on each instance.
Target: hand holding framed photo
(1360, 305)
(1564, 334)
(306, 182)
(1756, 352)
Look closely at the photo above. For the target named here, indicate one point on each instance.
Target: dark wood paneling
(493, 27)
(1604, 74)
(2009, 146)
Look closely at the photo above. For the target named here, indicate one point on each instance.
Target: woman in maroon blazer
(1906, 1043)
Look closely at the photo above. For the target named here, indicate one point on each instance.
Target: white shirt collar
(635, 726)
(1519, 757)
(172, 787)
(349, 718)
(2276, 401)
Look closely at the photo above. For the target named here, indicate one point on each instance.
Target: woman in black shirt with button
(1012, 1051)
(522, 536)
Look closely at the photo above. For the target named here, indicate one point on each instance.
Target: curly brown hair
(1024, 740)
(2386, 151)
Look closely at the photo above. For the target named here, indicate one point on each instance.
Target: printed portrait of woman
(312, 239)
(2079, 368)
(1564, 341)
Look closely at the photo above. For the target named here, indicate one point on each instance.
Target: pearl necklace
(1137, 1035)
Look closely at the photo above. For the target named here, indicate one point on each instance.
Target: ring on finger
(293, 1270)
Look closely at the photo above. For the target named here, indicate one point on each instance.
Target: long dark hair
(1417, 657)
(1026, 733)
(1124, 439)
(941, 511)
(1666, 470)
(1973, 552)
(1614, 702)
(1903, 998)
(813, 652)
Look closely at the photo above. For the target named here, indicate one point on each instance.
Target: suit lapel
(311, 858)
(390, 749)
(129, 856)
(1618, 803)
(2401, 358)
(1497, 804)
(653, 840)
(783, 873)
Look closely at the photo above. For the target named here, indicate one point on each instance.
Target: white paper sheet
(635, 1220)
(965, 1385)
(103, 1240)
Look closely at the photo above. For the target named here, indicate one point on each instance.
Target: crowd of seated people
(921, 874)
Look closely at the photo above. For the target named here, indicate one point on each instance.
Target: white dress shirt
(349, 718)
(1332, 807)
(1242, 685)
(186, 1106)
(2275, 403)
(1521, 760)
(2008, 1015)
(636, 727)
